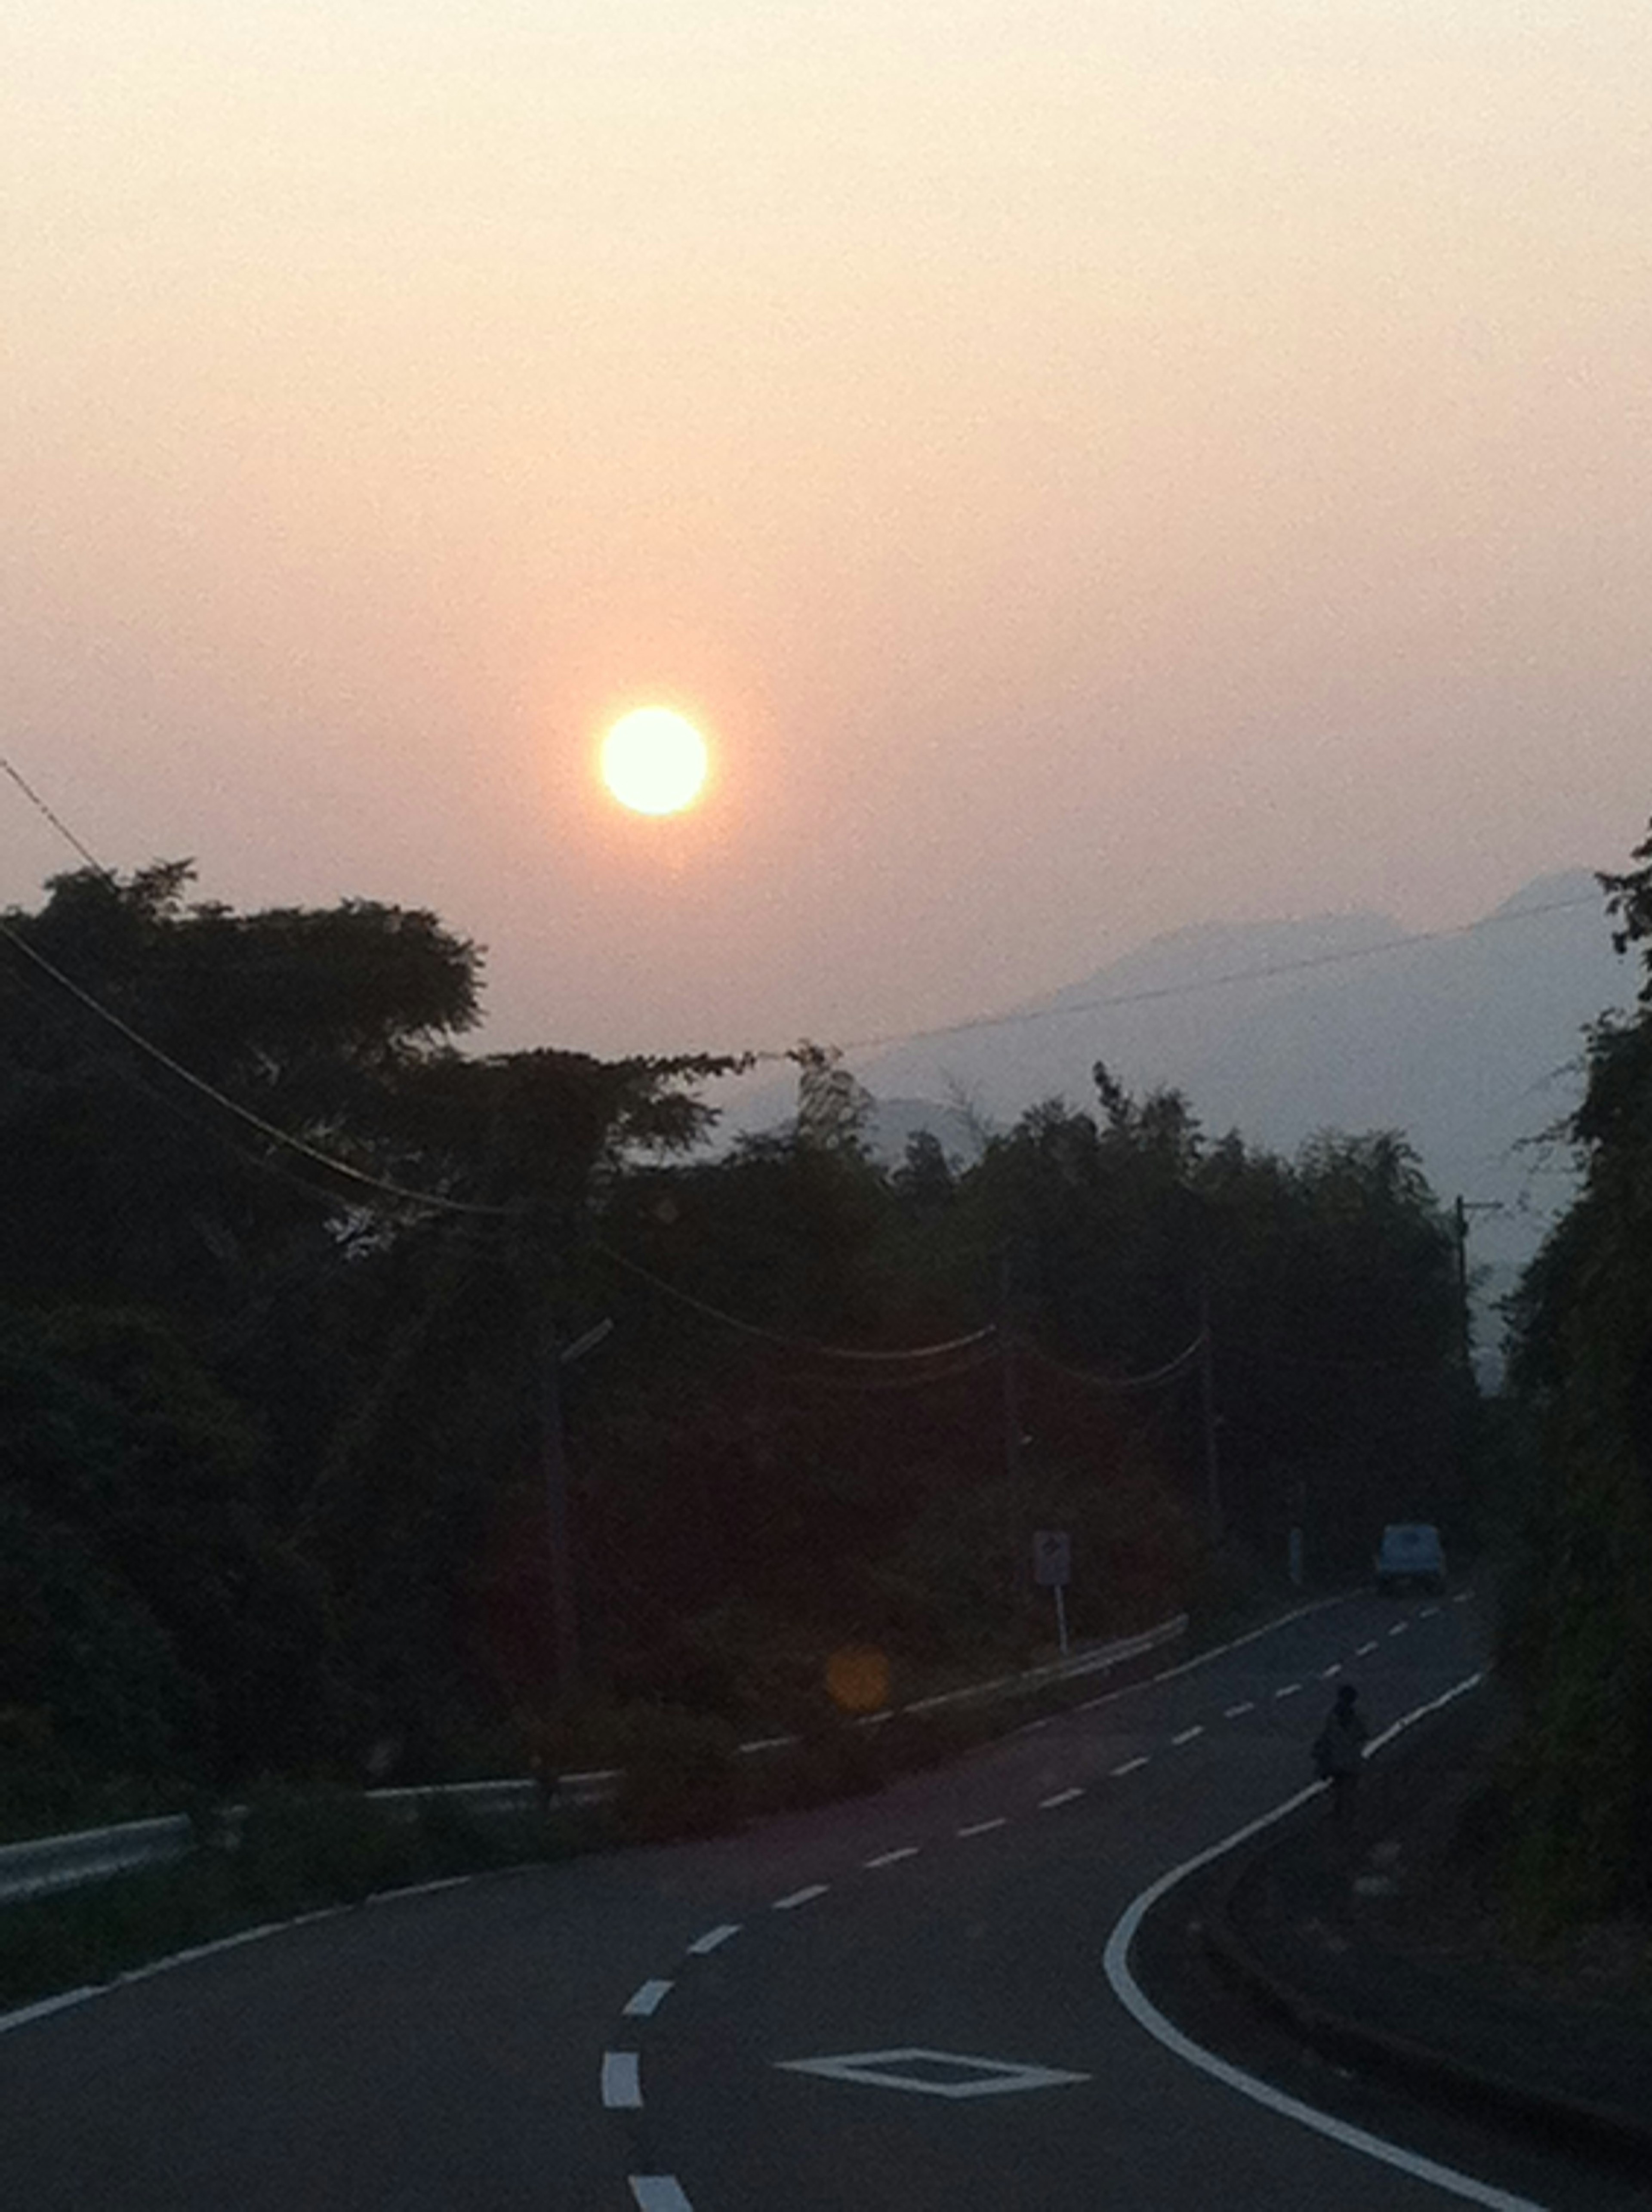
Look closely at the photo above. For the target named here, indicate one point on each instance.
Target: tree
(1576, 1639)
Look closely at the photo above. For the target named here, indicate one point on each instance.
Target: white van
(1410, 1553)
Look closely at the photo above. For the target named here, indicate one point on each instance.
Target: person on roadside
(1340, 1749)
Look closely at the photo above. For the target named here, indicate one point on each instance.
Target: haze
(1089, 469)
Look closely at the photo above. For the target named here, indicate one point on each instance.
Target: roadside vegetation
(274, 1439)
(1575, 1797)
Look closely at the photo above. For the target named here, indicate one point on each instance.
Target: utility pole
(1207, 1407)
(554, 1355)
(553, 1449)
(1011, 1388)
(1461, 1210)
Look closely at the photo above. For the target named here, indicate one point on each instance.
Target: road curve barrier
(43, 1864)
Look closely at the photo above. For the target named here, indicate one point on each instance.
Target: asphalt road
(691, 2028)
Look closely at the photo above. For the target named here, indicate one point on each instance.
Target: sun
(655, 761)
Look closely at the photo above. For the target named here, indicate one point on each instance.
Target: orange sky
(1090, 467)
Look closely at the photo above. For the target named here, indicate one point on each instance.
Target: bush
(680, 1774)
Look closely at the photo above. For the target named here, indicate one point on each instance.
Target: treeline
(275, 1427)
(1577, 1619)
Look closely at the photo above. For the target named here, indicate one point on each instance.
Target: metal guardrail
(44, 1864)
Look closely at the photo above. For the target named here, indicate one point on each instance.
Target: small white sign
(1052, 1558)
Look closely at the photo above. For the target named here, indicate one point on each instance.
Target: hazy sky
(1088, 467)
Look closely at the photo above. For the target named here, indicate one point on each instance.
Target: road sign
(933, 2073)
(1052, 1557)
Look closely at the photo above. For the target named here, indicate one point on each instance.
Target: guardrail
(43, 1864)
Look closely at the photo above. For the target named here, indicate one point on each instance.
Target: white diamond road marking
(975, 2077)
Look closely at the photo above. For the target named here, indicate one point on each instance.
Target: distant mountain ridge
(1469, 1043)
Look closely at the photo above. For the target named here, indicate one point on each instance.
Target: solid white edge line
(805, 1896)
(46, 2006)
(714, 1939)
(622, 2081)
(1146, 2015)
(645, 2001)
(659, 2193)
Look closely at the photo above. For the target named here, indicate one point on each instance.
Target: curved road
(710, 2028)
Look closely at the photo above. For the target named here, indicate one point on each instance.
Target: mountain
(1468, 1042)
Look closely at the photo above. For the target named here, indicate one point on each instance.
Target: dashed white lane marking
(643, 2003)
(1290, 1690)
(1188, 1734)
(1334, 1668)
(1232, 1712)
(714, 1939)
(1142, 2010)
(659, 2193)
(1399, 1628)
(982, 1827)
(1462, 1597)
(798, 1896)
(893, 1858)
(1365, 1650)
(1130, 1766)
(1061, 1797)
(622, 2081)
(1428, 1613)
(1030, 1727)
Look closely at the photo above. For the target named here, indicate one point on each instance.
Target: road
(689, 2027)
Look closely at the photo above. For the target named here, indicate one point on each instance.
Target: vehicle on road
(1409, 1556)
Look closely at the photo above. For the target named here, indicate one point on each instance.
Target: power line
(375, 1186)
(1169, 1372)
(1150, 994)
(814, 1345)
(55, 820)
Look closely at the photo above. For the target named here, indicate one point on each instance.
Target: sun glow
(655, 761)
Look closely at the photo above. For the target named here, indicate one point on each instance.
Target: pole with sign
(1052, 1564)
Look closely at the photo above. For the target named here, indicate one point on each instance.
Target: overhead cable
(1150, 994)
(787, 1342)
(55, 820)
(1170, 1370)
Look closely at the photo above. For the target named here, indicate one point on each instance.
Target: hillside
(1470, 1044)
